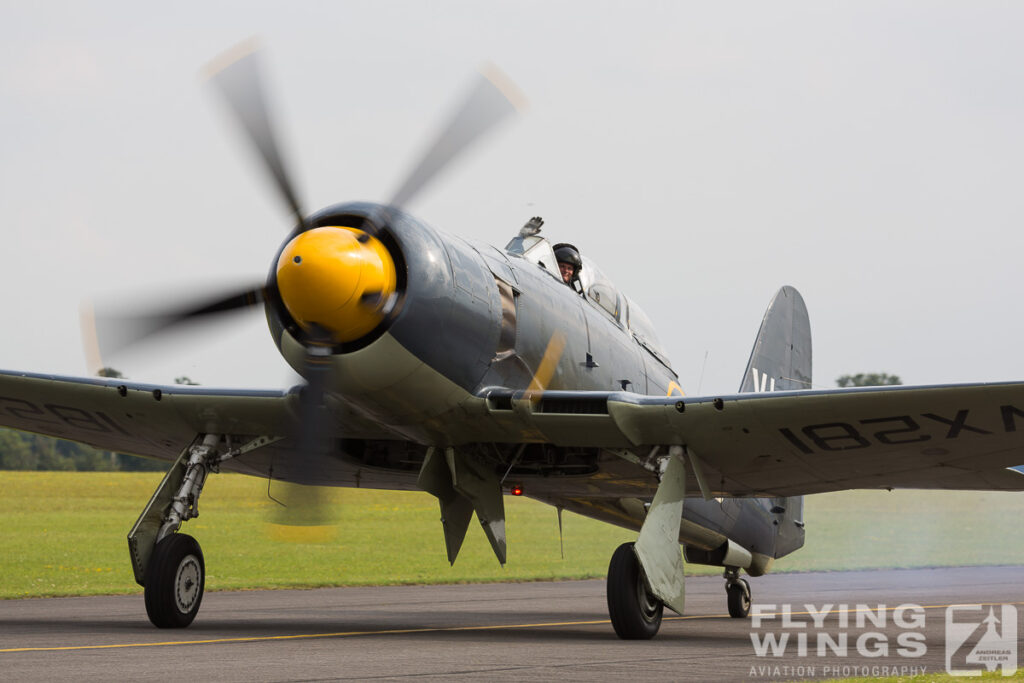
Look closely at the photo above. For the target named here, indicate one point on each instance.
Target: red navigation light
(517, 490)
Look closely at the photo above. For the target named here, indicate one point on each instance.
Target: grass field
(63, 533)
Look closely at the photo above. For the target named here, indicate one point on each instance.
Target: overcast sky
(703, 154)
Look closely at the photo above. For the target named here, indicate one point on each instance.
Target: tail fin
(781, 358)
(780, 361)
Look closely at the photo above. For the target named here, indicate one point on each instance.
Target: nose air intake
(337, 279)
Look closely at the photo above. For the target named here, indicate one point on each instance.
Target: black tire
(635, 613)
(175, 579)
(739, 598)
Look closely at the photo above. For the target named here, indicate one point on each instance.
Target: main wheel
(175, 579)
(739, 598)
(635, 613)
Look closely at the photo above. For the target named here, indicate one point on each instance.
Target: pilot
(569, 263)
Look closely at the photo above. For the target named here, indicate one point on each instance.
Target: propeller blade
(313, 418)
(109, 333)
(237, 76)
(304, 514)
(492, 98)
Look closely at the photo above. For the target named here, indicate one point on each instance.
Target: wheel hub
(186, 583)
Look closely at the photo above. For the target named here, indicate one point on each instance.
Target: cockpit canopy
(535, 249)
(597, 288)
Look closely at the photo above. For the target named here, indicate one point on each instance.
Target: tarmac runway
(526, 631)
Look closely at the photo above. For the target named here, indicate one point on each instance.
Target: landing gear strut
(635, 613)
(738, 592)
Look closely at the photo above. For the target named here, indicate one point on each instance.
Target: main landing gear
(168, 564)
(738, 592)
(647, 576)
(635, 613)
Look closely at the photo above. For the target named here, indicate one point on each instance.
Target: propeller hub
(337, 279)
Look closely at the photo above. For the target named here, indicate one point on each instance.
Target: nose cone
(338, 279)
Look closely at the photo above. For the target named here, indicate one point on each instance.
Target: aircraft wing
(801, 442)
(152, 420)
(763, 444)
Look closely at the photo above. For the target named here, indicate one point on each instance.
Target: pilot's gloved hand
(532, 226)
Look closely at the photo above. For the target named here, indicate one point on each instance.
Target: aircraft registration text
(892, 431)
(76, 418)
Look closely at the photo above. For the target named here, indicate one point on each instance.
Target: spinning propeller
(337, 283)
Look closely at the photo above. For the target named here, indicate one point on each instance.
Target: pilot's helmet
(566, 253)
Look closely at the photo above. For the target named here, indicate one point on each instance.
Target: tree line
(23, 451)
